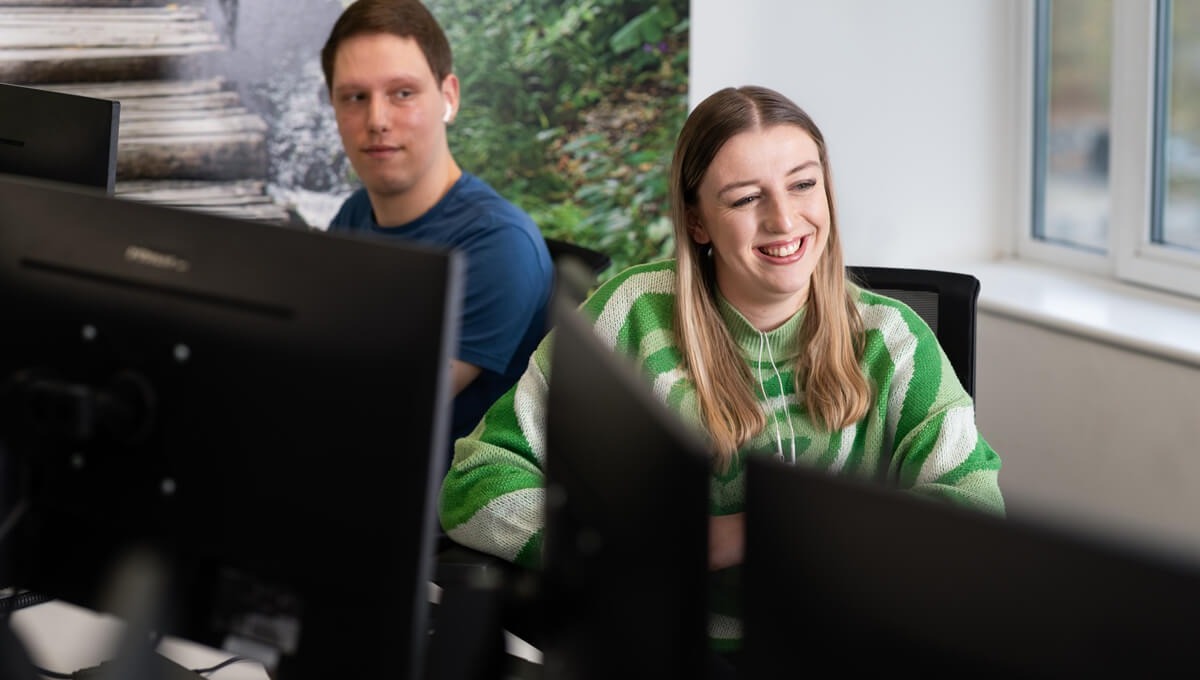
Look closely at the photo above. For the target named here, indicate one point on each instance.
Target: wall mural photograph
(569, 109)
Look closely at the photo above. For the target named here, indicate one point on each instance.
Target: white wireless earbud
(449, 110)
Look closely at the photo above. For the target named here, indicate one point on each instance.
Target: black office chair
(945, 300)
(594, 260)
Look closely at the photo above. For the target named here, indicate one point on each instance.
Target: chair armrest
(458, 565)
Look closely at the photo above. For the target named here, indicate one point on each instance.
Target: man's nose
(377, 114)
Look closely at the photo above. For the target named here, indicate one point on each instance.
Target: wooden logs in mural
(245, 199)
(194, 129)
(185, 138)
(4, 4)
(56, 43)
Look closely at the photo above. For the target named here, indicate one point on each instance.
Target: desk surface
(64, 638)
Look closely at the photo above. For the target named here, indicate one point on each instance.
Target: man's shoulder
(477, 196)
(355, 212)
(476, 215)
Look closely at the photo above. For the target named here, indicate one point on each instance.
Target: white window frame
(1131, 256)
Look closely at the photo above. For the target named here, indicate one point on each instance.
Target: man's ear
(450, 95)
(696, 229)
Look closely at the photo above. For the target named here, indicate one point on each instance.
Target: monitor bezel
(59, 136)
(302, 432)
(627, 491)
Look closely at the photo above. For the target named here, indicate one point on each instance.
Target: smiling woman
(767, 220)
(756, 339)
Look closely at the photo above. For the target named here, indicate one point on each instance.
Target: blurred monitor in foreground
(58, 136)
(843, 575)
(250, 416)
(626, 542)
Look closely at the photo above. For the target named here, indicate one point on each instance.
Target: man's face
(390, 111)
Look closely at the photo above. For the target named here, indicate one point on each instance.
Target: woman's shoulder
(644, 268)
(638, 279)
(882, 312)
(638, 285)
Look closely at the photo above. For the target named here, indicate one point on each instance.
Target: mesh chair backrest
(923, 302)
(594, 260)
(945, 300)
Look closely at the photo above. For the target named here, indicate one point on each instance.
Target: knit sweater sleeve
(936, 449)
(492, 497)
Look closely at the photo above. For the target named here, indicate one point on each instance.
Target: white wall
(906, 95)
(919, 102)
(1091, 432)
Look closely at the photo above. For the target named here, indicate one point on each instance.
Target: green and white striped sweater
(919, 436)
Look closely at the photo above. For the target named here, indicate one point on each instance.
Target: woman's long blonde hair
(828, 374)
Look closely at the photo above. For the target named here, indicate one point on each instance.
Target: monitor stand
(135, 596)
(482, 601)
(146, 665)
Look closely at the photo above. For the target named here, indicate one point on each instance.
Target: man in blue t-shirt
(387, 65)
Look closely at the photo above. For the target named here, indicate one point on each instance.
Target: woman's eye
(804, 185)
(745, 200)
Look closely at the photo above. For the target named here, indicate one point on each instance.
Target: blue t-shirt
(508, 281)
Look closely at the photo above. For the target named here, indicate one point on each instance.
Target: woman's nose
(779, 216)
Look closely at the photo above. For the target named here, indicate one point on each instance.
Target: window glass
(1180, 217)
(1073, 135)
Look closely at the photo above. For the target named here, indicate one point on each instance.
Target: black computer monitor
(58, 136)
(625, 567)
(854, 577)
(262, 409)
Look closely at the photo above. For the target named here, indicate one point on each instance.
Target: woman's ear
(696, 229)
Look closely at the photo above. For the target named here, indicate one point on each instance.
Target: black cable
(199, 671)
(21, 600)
(212, 669)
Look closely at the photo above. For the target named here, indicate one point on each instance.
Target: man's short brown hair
(403, 18)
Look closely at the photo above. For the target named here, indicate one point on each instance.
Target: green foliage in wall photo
(571, 109)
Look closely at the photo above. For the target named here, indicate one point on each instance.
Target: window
(1074, 42)
(1115, 162)
(1179, 225)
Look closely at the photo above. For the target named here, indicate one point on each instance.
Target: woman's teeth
(782, 251)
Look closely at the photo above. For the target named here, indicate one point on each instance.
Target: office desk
(64, 638)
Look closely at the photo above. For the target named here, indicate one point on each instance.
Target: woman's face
(763, 207)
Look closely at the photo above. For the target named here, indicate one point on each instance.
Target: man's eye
(402, 94)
